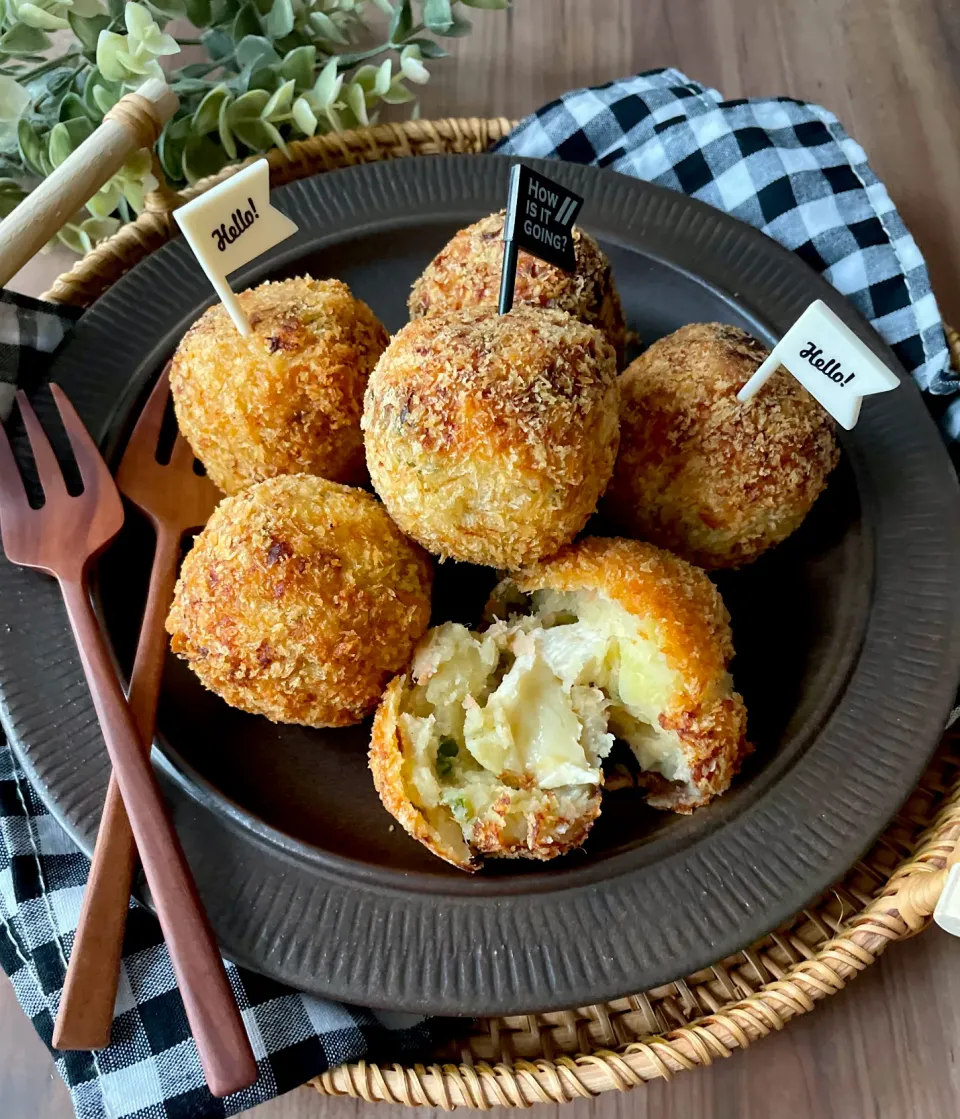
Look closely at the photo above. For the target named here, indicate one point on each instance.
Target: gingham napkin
(784, 166)
(151, 1069)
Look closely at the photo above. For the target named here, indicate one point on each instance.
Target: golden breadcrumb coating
(299, 600)
(466, 273)
(673, 675)
(716, 481)
(491, 437)
(288, 398)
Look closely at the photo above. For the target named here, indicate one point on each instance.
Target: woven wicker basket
(516, 1061)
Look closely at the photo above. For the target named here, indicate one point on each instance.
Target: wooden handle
(90, 990)
(134, 122)
(222, 1043)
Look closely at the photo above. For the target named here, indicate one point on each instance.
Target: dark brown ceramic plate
(848, 640)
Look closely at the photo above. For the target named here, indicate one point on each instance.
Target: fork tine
(93, 470)
(51, 476)
(181, 458)
(13, 496)
(146, 433)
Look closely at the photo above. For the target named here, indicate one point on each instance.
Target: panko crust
(548, 834)
(299, 601)
(386, 765)
(716, 481)
(490, 438)
(694, 630)
(466, 273)
(287, 399)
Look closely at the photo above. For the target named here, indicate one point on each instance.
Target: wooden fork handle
(134, 122)
(90, 990)
(224, 1049)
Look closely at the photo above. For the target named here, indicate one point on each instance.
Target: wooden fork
(61, 538)
(175, 499)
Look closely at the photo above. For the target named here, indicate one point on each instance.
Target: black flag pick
(540, 217)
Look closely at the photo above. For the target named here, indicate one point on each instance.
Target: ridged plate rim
(361, 942)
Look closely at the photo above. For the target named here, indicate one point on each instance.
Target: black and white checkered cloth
(151, 1069)
(784, 166)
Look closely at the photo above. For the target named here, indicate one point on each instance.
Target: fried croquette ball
(492, 744)
(491, 437)
(482, 751)
(716, 481)
(299, 600)
(653, 634)
(287, 399)
(466, 273)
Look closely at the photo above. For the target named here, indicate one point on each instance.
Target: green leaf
(489, 5)
(428, 48)
(278, 21)
(304, 117)
(438, 16)
(202, 156)
(247, 22)
(60, 144)
(88, 30)
(258, 135)
(402, 23)
(223, 128)
(328, 84)
(71, 236)
(357, 103)
(262, 77)
(219, 45)
(382, 81)
(326, 28)
(170, 147)
(31, 146)
(11, 195)
(106, 200)
(280, 103)
(351, 58)
(255, 51)
(104, 96)
(198, 12)
(74, 106)
(299, 64)
(248, 107)
(170, 8)
(21, 39)
(223, 11)
(207, 117)
(398, 94)
(79, 128)
(458, 28)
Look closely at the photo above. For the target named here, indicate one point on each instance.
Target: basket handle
(134, 122)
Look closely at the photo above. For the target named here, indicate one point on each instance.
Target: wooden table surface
(887, 1048)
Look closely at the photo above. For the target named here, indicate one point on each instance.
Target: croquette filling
(499, 723)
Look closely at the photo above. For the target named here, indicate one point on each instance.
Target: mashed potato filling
(497, 721)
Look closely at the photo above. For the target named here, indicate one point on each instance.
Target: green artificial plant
(272, 71)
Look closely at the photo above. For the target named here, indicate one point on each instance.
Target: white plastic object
(830, 361)
(947, 913)
(231, 224)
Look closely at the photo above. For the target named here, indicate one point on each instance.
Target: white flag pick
(830, 361)
(229, 225)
